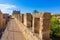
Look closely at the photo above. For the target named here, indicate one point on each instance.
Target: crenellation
(45, 26)
(28, 20)
(39, 23)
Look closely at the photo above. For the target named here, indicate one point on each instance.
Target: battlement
(38, 23)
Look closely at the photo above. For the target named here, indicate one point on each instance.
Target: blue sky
(7, 6)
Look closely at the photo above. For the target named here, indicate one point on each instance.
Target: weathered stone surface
(28, 20)
(36, 23)
(1, 20)
(41, 25)
(22, 18)
(45, 25)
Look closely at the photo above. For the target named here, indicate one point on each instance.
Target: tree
(35, 11)
(55, 29)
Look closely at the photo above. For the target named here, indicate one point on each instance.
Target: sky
(24, 6)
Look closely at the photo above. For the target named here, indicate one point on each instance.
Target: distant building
(16, 12)
(5, 16)
(17, 15)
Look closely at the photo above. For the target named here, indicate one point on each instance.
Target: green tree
(35, 11)
(55, 29)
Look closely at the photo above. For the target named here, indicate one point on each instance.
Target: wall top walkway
(12, 32)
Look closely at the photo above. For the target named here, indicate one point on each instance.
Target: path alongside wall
(12, 32)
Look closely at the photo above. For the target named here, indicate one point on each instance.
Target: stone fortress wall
(38, 23)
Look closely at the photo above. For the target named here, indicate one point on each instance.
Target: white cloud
(7, 8)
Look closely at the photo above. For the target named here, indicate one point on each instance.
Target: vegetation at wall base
(54, 28)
